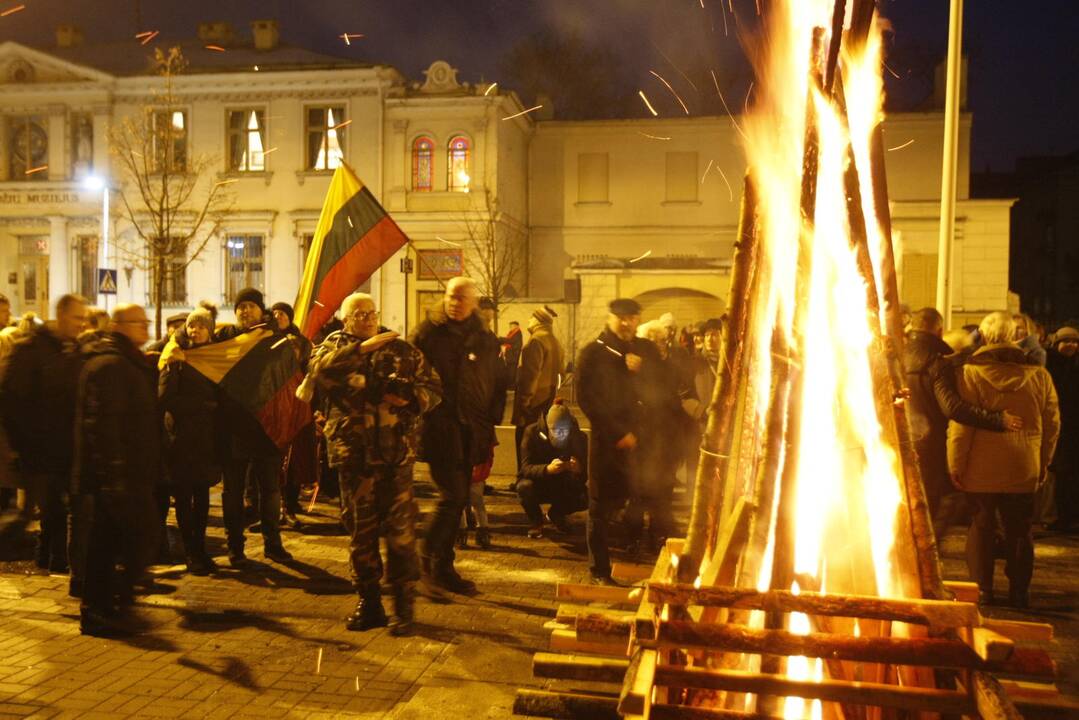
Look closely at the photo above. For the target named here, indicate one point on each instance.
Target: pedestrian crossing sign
(106, 281)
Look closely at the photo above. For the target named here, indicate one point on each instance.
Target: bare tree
(496, 251)
(170, 199)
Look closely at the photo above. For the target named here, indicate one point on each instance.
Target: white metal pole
(949, 167)
(105, 232)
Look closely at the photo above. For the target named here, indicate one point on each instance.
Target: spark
(908, 143)
(676, 97)
(338, 126)
(12, 10)
(490, 87)
(723, 100)
(347, 37)
(648, 104)
(893, 72)
(318, 662)
(215, 48)
(706, 171)
(723, 12)
(149, 36)
(349, 218)
(730, 192)
(523, 112)
(357, 683)
(31, 171)
(748, 93)
(702, 4)
(143, 34)
(267, 152)
(226, 182)
(448, 242)
(641, 257)
(320, 305)
(653, 137)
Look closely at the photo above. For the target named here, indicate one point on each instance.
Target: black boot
(403, 600)
(445, 576)
(368, 613)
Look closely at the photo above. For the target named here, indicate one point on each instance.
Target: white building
(583, 197)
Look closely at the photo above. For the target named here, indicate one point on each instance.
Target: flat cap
(625, 306)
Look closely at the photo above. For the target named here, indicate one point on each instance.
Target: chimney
(215, 33)
(265, 33)
(68, 36)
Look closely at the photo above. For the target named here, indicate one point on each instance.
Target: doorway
(34, 285)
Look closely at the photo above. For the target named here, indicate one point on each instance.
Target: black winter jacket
(1065, 373)
(461, 429)
(537, 452)
(37, 400)
(117, 443)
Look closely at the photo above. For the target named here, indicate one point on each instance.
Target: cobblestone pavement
(271, 642)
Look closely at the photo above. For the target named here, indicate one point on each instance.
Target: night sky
(1023, 56)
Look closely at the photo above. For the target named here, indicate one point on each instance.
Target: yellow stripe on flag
(216, 359)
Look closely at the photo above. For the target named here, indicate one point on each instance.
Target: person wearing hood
(189, 401)
(283, 316)
(554, 469)
(1063, 365)
(459, 433)
(301, 456)
(541, 365)
(373, 390)
(1001, 472)
(116, 462)
(931, 367)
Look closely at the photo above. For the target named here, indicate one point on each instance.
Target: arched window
(457, 155)
(423, 155)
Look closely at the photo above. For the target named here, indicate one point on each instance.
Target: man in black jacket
(460, 432)
(612, 375)
(554, 469)
(117, 461)
(934, 400)
(38, 404)
(1063, 365)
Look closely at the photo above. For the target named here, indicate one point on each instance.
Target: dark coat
(616, 402)
(541, 364)
(37, 401)
(460, 431)
(931, 376)
(537, 452)
(117, 443)
(192, 443)
(1065, 373)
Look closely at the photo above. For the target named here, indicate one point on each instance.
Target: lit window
(423, 155)
(243, 262)
(325, 137)
(170, 139)
(247, 140)
(457, 166)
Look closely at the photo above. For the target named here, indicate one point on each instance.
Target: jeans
(565, 493)
(264, 476)
(1016, 513)
(453, 488)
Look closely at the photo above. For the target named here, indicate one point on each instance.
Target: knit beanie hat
(1066, 332)
(250, 295)
(559, 414)
(202, 317)
(285, 308)
(544, 315)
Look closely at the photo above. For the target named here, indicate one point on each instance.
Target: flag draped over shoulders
(354, 237)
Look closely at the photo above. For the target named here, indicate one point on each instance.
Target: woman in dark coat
(189, 400)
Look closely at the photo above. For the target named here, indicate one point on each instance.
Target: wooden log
(963, 591)
(567, 612)
(717, 439)
(846, 692)
(567, 641)
(722, 567)
(1019, 688)
(630, 572)
(578, 667)
(664, 711)
(599, 593)
(644, 624)
(599, 627)
(1025, 662)
(937, 614)
(1020, 631)
(636, 696)
(568, 706)
(991, 645)
(993, 703)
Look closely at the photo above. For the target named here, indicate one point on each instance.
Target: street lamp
(96, 182)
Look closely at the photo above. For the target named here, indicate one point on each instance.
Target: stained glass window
(457, 156)
(423, 155)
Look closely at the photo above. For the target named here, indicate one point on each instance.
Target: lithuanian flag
(259, 371)
(354, 237)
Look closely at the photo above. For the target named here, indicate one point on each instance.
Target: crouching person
(554, 469)
(373, 389)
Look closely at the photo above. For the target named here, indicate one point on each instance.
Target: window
(423, 155)
(243, 263)
(325, 137)
(247, 140)
(170, 140)
(457, 153)
(682, 177)
(28, 148)
(82, 145)
(86, 262)
(592, 177)
(174, 282)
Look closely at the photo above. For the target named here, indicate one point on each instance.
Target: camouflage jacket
(361, 430)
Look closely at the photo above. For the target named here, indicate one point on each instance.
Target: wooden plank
(636, 697)
(630, 572)
(964, 591)
(645, 620)
(599, 593)
(600, 628)
(568, 706)
(578, 667)
(840, 691)
(990, 645)
(675, 545)
(567, 641)
(993, 703)
(663, 711)
(567, 612)
(1019, 688)
(1020, 631)
(934, 613)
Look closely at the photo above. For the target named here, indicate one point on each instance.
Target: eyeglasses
(364, 314)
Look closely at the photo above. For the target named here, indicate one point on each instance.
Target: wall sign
(439, 264)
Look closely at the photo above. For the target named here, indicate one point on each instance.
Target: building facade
(454, 163)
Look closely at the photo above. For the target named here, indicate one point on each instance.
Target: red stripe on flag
(372, 250)
(284, 415)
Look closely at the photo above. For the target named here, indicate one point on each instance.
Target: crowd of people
(105, 432)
